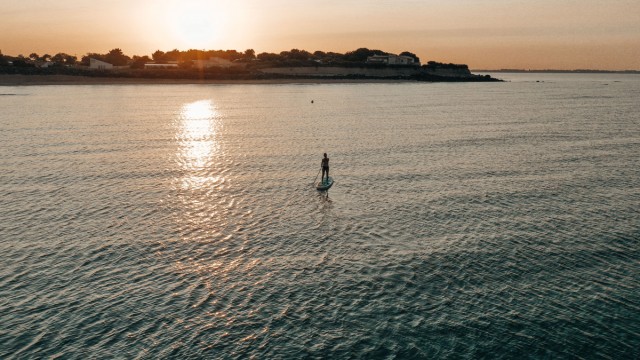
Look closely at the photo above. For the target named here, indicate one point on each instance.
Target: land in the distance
(229, 66)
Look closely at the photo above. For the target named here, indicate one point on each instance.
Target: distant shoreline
(22, 80)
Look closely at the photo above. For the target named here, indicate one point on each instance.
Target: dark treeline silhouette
(238, 65)
(34, 58)
(291, 57)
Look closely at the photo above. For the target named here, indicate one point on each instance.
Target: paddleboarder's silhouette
(325, 168)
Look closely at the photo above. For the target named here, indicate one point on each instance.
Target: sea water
(467, 220)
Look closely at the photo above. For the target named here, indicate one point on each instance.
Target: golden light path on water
(204, 213)
(199, 186)
(198, 128)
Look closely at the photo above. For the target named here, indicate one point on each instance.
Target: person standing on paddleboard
(325, 167)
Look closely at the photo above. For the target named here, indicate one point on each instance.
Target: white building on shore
(96, 64)
(391, 59)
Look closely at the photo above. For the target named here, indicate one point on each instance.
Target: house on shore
(96, 64)
(391, 59)
(45, 64)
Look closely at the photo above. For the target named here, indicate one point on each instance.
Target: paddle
(314, 180)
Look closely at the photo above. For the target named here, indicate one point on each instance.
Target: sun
(196, 24)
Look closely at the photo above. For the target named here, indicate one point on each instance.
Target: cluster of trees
(253, 62)
(21, 60)
(117, 58)
(357, 56)
(292, 57)
(59, 58)
(189, 55)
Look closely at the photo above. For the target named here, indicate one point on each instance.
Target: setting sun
(484, 34)
(197, 24)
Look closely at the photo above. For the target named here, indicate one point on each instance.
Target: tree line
(117, 57)
(62, 63)
(59, 58)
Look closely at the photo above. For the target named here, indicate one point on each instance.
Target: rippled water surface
(496, 220)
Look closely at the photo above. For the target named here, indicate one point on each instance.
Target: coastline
(26, 80)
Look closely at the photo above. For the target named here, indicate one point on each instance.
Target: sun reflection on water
(199, 123)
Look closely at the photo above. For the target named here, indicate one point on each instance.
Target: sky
(485, 34)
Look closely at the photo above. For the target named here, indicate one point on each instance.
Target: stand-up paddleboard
(324, 185)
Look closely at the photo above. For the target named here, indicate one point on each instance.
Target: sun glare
(197, 134)
(197, 24)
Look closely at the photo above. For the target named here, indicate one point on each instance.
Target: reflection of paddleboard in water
(324, 185)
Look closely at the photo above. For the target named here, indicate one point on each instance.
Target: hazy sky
(486, 34)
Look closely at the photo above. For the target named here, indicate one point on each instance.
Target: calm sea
(493, 220)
